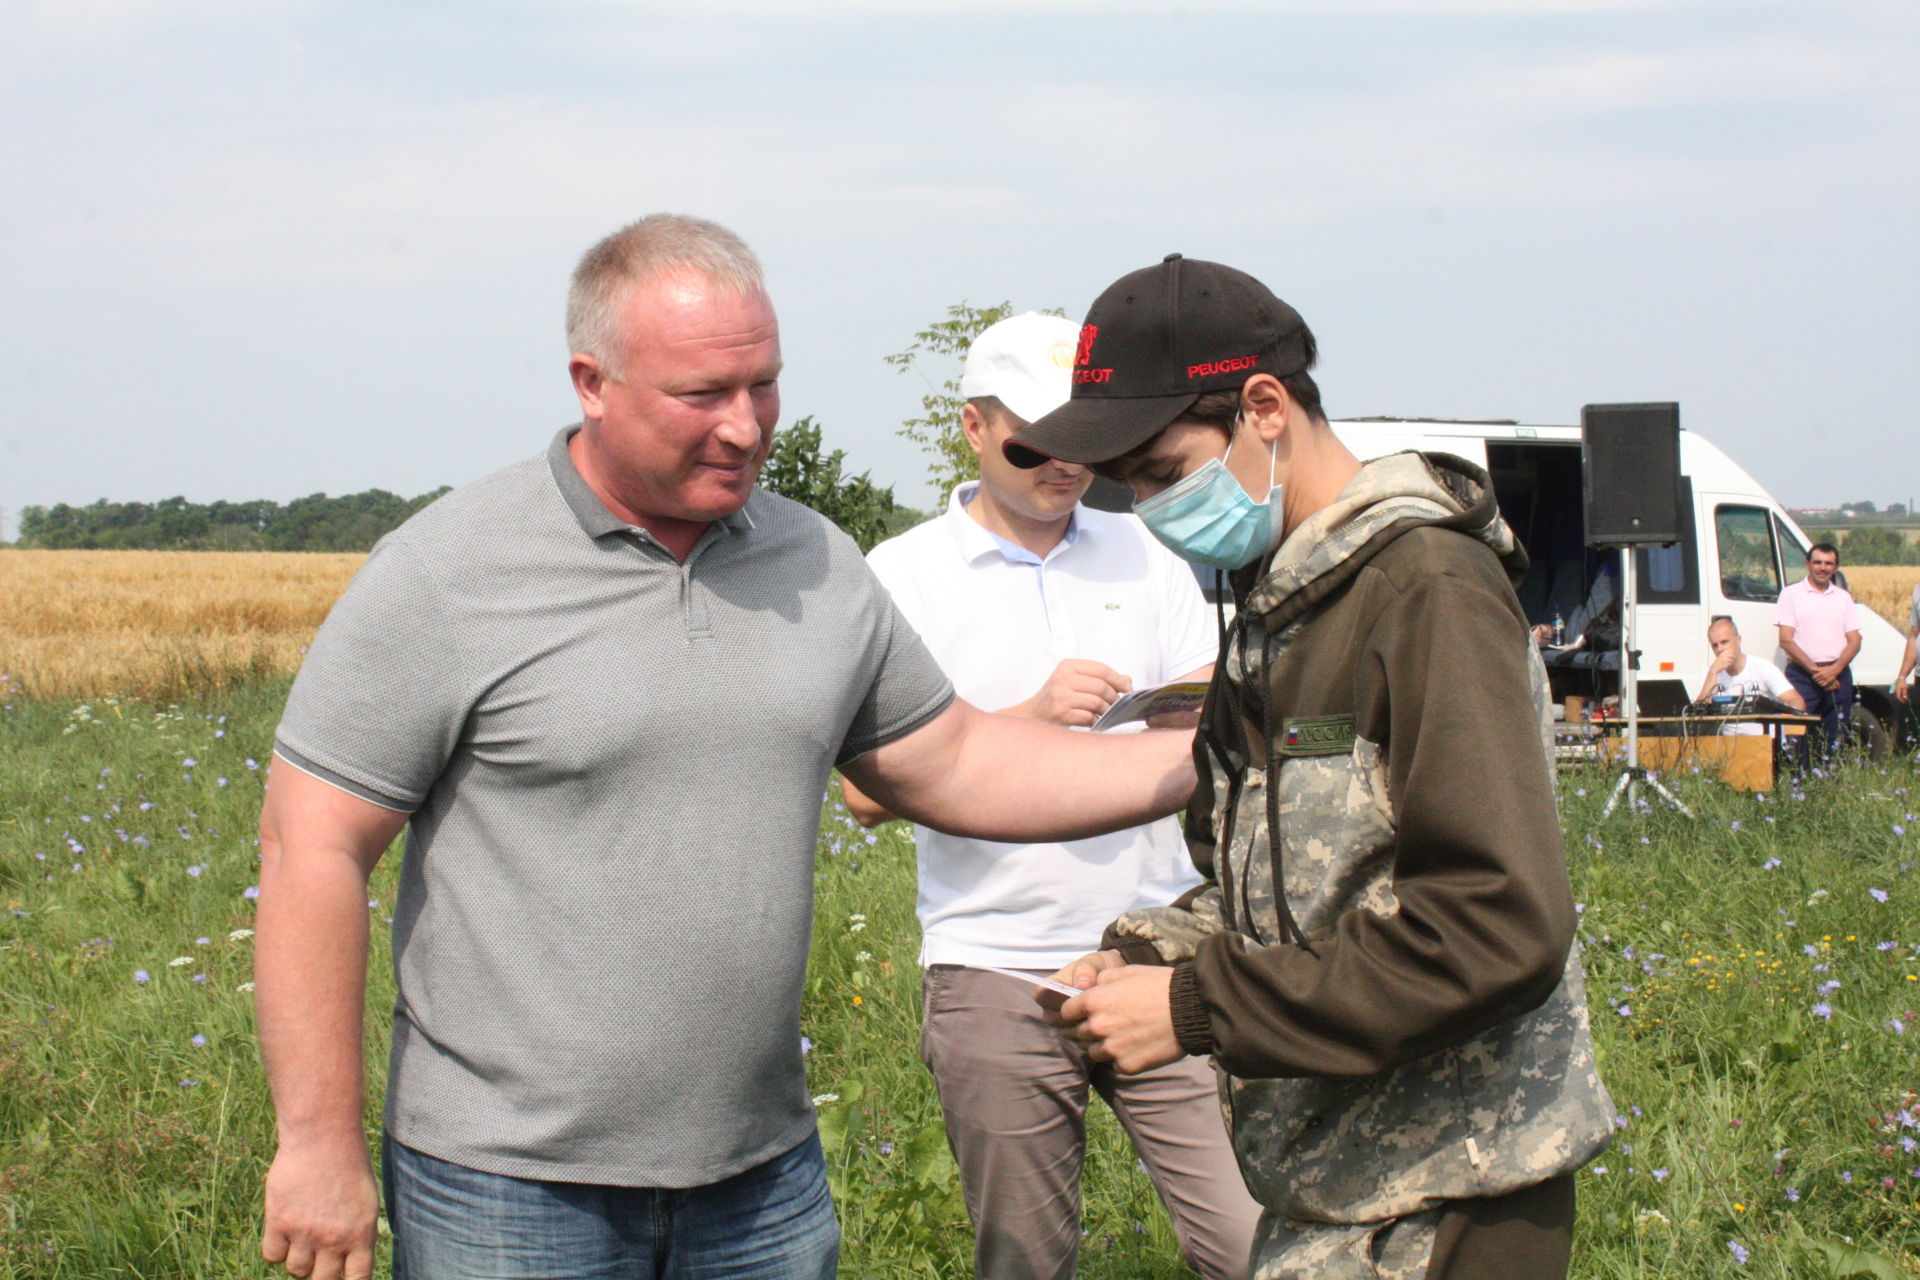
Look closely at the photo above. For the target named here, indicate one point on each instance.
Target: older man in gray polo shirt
(604, 689)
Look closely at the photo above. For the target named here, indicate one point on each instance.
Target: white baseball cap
(1025, 362)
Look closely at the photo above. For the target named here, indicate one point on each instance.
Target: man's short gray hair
(656, 245)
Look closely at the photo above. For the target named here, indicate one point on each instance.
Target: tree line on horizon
(350, 522)
(798, 467)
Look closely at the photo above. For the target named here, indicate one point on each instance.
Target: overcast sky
(263, 249)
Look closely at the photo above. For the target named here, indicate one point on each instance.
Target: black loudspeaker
(1631, 476)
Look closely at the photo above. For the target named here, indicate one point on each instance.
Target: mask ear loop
(1273, 451)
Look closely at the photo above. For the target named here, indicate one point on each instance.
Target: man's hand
(1900, 688)
(1083, 973)
(1826, 677)
(1126, 1018)
(1721, 662)
(1542, 633)
(1077, 693)
(322, 1211)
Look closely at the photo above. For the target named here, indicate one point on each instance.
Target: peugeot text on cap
(1025, 362)
(1152, 344)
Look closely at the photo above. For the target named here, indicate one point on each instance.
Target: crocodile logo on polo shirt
(1316, 736)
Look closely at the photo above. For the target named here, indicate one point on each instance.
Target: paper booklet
(1166, 699)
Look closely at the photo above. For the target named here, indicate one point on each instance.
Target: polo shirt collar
(591, 513)
(976, 540)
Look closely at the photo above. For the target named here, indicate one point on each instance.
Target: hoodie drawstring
(1289, 928)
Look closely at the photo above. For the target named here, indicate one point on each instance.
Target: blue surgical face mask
(1208, 518)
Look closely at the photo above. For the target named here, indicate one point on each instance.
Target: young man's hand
(1126, 1018)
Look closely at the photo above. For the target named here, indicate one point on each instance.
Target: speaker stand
(1632, 776)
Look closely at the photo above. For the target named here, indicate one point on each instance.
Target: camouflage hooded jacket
(1390, 984)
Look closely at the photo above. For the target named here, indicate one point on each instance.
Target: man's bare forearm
(318, 845)
(999, 777)
(310, 970)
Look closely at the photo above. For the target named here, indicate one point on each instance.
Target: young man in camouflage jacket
(1390, 984)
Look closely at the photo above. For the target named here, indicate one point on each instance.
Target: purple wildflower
(1739, 1252)
(1878, 895)
(1823, 1010)
(198, 1042)
(142, 977)
(1661, 1175)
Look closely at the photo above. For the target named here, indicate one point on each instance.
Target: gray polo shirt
(615, 765)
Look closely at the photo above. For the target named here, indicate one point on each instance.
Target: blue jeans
(773, 1222)
(1833, 706)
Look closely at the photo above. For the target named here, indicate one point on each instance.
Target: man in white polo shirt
(1045, 608)
(1820, 632)
(1736, 672)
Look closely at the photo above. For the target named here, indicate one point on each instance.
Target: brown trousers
(1014, 1093)
(1523, 1235)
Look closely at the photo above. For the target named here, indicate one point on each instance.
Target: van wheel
(1869, 736)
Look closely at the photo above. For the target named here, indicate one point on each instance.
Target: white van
(1738, 548)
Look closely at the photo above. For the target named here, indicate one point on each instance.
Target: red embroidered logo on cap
(1212, 367)
(1084, 356)
(1092, 375)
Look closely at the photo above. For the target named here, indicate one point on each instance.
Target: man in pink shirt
(1820, 632)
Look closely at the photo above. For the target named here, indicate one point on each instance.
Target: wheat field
(1885, 589)
(159, 624)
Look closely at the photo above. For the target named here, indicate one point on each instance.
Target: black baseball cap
(1152, 344)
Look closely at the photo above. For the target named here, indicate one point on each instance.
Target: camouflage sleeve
(1167, 935)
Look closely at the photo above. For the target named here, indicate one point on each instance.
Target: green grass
(1751, 1118)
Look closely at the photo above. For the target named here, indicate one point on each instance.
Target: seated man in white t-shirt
(1738, 673)
(1035, 604)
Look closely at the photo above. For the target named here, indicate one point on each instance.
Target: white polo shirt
(999, 619)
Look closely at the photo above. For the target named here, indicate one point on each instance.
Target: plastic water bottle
(1559, 630)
